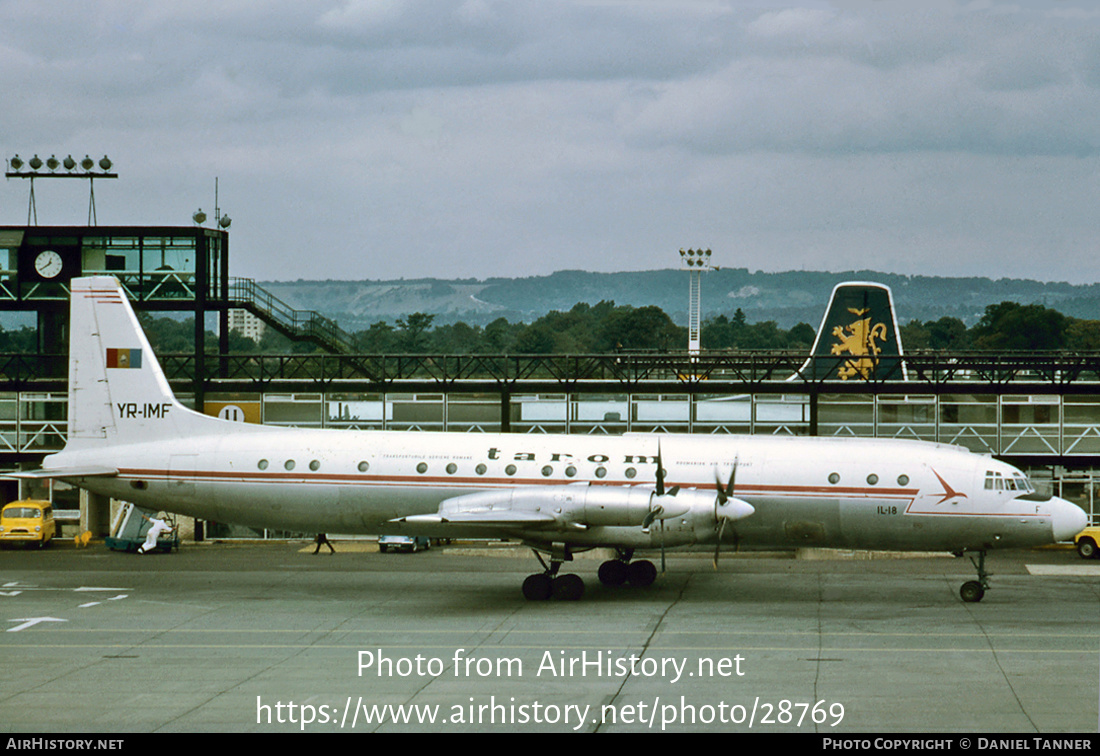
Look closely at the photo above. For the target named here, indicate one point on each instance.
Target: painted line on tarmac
(1083, 570)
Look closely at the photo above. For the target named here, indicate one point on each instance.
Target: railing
(767, 371)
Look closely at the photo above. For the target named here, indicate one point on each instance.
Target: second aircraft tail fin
(858, 338)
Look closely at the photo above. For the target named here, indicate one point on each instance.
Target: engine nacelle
(575, 504)
(591, 506)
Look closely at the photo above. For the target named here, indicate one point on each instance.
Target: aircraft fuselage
(842, 493)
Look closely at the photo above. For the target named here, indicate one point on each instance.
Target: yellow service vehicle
(1087, 541)
(27, 521)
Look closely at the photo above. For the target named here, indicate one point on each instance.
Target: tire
(567, 588)
(613, 573)
(537, 587)
(971, 591)
(1086, 547)
(641, 574)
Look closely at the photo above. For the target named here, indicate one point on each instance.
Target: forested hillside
(787, 298)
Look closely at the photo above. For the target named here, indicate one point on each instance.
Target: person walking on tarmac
(157, 526)
(322, 539)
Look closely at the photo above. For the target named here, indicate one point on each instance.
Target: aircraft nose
(1066, 519)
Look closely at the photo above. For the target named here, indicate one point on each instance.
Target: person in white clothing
(157, 526)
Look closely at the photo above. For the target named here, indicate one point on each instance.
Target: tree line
(606, 327)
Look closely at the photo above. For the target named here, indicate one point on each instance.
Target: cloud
(517, 138)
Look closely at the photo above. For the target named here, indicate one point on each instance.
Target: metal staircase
(299, 325)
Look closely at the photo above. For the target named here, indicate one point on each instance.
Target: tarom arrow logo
(948, 491)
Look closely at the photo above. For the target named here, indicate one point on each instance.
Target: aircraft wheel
(1086, 547)
(567, 587)
(537, 587)
(613, 572)
(972, 591)
(641, 573)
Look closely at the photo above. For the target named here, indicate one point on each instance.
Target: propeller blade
(654, 513)
(718, 486)
(662, 547)
(660, 472)
(718, 542)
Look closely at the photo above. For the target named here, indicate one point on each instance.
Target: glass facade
(153, 264)
(149, 266)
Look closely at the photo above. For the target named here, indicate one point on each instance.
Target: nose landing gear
(972, 591)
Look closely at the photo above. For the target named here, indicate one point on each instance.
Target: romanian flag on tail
(124, 358)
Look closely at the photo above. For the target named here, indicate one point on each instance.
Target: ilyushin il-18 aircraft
(129, 438)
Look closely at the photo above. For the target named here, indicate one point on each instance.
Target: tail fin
(117, 390)
(859, 337)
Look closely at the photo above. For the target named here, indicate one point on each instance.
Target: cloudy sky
(357, 139)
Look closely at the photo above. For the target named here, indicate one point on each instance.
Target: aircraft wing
(90, 471)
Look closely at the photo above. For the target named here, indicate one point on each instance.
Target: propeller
(656, 507)
(723, 497)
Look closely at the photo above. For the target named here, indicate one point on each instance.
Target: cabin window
(481, 468)
(314, 465)
(422, 468)
(872, 479)
(289, 464)
(547, 471)
(571, 471)
(364, 466)
(601, 472)
(631, 472)
(903, 480)
(834, 478)
(262, 464)
(452, 468)
(510, 470)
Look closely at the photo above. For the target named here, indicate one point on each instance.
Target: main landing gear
(972, 591)
(549, 584)
(616, 572)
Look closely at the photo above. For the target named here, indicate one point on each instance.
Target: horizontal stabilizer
(55, 473)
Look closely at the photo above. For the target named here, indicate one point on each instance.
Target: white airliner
(129, 438)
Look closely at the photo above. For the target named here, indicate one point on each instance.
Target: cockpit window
(1007, 482)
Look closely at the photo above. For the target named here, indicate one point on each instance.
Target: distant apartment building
(246, 324)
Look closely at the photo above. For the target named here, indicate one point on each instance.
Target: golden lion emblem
(858, 339)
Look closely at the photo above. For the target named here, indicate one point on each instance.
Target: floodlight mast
(695, 262)
(15, 170)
